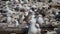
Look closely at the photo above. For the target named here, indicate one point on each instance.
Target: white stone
(52, 32)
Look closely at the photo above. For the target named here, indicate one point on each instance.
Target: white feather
(40, 20)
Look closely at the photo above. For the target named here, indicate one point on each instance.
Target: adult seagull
(32, 28)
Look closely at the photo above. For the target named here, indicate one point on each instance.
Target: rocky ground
(30, 17)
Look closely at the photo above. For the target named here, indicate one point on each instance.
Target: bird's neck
(33, 23)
